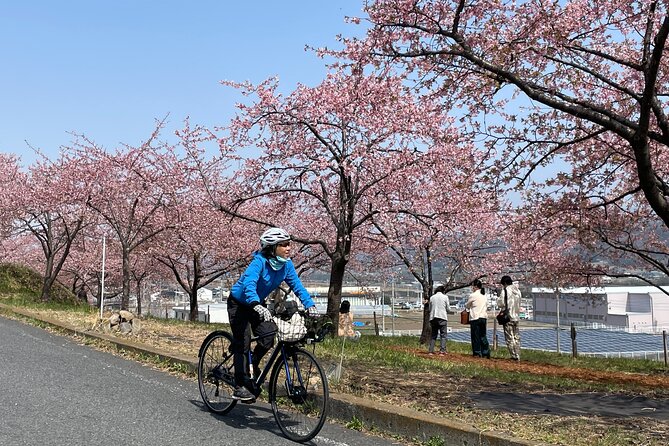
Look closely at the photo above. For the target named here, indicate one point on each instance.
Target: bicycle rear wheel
(215, 373)
(298, 392)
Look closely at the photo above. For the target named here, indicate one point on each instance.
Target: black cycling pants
(241, 316)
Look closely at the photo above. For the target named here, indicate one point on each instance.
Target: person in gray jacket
(511, 332)
(439, 311)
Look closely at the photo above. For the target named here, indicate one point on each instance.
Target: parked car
(525, 314)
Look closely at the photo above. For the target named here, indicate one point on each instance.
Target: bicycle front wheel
(298, 392)
(215, 373)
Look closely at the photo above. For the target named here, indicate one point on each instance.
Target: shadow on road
(255, 416)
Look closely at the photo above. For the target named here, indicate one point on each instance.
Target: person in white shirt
(478, 320)
(439, 311)
(511, 332)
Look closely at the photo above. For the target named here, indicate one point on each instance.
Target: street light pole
(383, 308)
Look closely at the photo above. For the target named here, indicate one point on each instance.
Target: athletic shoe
(242, 394)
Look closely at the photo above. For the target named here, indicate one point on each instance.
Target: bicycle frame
(279, 351)
(297, 385)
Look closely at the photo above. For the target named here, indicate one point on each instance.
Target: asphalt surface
(54, 391)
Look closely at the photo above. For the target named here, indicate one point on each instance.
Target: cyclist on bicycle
(246, 304)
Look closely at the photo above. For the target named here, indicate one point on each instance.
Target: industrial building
(637, 309)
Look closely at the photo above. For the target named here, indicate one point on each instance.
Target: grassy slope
(22, 285)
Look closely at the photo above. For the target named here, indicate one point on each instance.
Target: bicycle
(298, 387)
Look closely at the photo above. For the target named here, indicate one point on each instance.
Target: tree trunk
(426, 331)
(139, 297)
(127, 272)
(47, 281)
(56, 250)
(193, 304)
(195, 287)
(47, 284)
(334, 291)
(427, 285)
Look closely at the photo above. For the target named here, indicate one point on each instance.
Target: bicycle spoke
(215, 374)
(299, 394)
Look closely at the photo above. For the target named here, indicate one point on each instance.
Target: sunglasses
(283, 244)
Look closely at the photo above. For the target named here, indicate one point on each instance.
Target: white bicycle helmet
(273, 236)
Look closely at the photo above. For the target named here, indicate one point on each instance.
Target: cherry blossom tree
(51, 209)
(83, 268)
(11, 181)
(130, 189)
(446, 218)
(196, 259)
(22, 249)
(571, 95)
(615, 241)
(193, 259)
(326, 151)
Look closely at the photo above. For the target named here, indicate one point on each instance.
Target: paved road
(56, 392)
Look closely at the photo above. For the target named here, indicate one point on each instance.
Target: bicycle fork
(296, 392)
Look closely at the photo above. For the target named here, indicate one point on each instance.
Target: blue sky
(108, 69)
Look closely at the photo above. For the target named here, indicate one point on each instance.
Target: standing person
(478, 320)
(246, 304)
(439, 311)
(345, 326)
(511, 332)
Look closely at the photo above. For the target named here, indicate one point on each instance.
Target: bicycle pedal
(251, 401)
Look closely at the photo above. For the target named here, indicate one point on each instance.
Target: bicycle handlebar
(314, 334)
(319, 333)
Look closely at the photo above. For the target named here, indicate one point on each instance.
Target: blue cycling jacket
(260, 279)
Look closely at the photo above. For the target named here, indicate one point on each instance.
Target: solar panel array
(596, 342)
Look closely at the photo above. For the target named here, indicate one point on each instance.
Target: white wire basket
(291, 330)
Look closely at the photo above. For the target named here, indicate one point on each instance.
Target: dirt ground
(523, 409)
(527, 410)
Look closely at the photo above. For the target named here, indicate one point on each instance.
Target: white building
(635, 309)
(218, 311)
(212, 312)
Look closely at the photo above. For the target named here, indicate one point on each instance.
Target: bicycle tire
(215, 373)
(300, 413)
